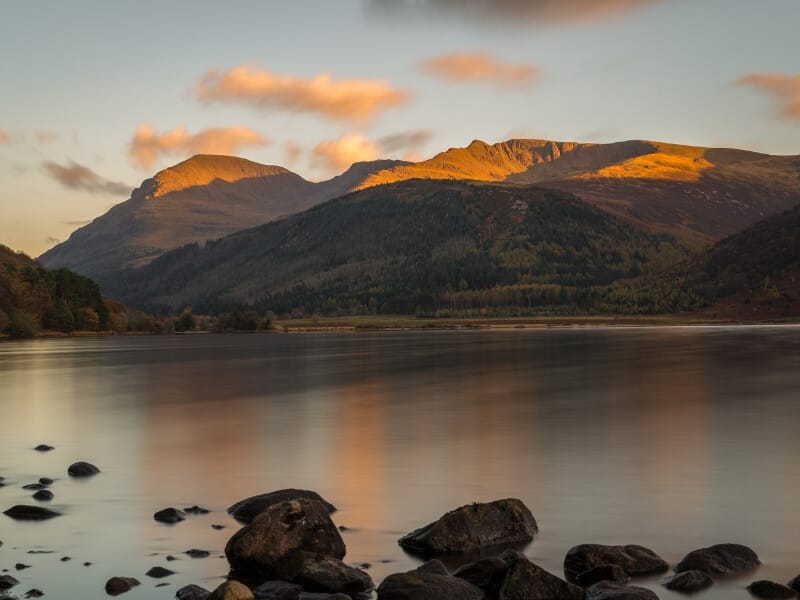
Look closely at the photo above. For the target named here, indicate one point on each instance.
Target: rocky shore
(289, 548)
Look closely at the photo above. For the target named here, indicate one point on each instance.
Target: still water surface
(674, 438)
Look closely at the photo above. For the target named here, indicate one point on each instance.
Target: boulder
(525, 580)
(192, 592)
(277, 590)
(195, 553)
(232, 590)
(608, 590)
(119, 585)
(82, 469)
(433, 567)
(7, 582)
(43, 495)
(634, 560)
(600, 573)
(46, 480)
(246, 510)
(795, 584)
(322, 596)
(279, 534)
(43, 448)
(416, 585)
(474, 527)
(770, 589)
(159, 572)
(23, 512)
(688, 582)
(486, 573)
(318, 573)
(721, 559)
(169, 515)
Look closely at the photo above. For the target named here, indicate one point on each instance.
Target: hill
(410, 246)
(203, 198)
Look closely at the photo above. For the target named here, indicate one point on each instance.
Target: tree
(185, 322)
(23, 325)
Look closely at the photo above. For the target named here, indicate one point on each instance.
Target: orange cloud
(79, 177)
(348, 100)
(147, 145)
(4, 137)
(470, 67)
(339, 154)
(784, 89)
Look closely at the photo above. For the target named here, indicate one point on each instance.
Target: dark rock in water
(319, 573)
(795, 584)
(21, 566)
(278, 590)
(87, 564)
(246, 510)
(159, 572)
(119, 585)
(162, 584)
(232, 590)
(474, 527)
(486, 573)
(526, 581)
(43, 448)
(688, 582)
(770, 589)
(169, 515)
(608, 590)
(192, 592)
(322, 596)
(421, 585)
(196, 510)
(82, 469)
(41, 551)
(170, 558)
(34, 486)
(22, 512)
(634, 560)
(43, 495)
(195, 553)
(720, 560)
(279, 534)
(66, 558)
(7, 582)
(600, 573)
(46, 481)
(34, 593)
(217, 526)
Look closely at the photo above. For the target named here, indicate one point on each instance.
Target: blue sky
(80, 78)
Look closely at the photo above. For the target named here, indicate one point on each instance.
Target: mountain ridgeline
(413, 246)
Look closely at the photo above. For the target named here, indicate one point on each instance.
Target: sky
(96, 96)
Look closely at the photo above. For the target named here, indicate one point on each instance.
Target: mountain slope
(398, 247)
(203, 198)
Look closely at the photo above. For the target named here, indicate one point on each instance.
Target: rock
(770, 589)
(634, 560)
(795, 584)
(170, 558)
(196, 510)
(688, 582)
(232, 590)
(169, 515)
(416, 585)
(66, 558)
(43, 495)
(22, 512)
(720, 560)
(87, 564)
(600, 573)
(46, 481)
(192, 592)
(194, 553)
(608, 590)
(159, 572)
(34, 486)
(526, 581)
(433, 567)
(82, 469)
(119, 585)
(318, 573)
(486, 573)
(34, 593)
(7, 582)
(217, 526)
(474, 527)
(246, 510)
(21, 566)
(43, 448)
(322, 596)
(279, 534)
(278, 590)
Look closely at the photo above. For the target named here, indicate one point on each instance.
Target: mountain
(203, 198)
(402, 247)
(699, 194)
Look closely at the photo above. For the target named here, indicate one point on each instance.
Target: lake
(673, 438)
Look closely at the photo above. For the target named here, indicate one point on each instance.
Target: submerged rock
(192, 592)
(196, 510)
(486, 573)
(608, 590)
(34, 486)
(159, 572)
(46, 481)
(194, 553)
(7, 582)
(421, 585)
(795, 584)
(169, 515)
(525, 580)
(43, 495)
(474, 527)
(232, 590)
(322, 596)
(119, 585)
(44, 448)
(770, 589)
(22, 512)
(634, 560)
(600, 573)
(318, 573)
(688, 582)
(82, 469)
(721, 559)
(278, 590)
(246, 510)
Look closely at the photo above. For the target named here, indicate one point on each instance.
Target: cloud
(4, 137)
(339, 154)
(147, 145)
(345, 100)
(78, 177)
(467, 67)
(784, 89)
(408, 141)
(515, 12)
(291, 152)
(46, 137)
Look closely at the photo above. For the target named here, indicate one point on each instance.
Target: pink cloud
(784, 90)
(347, 100)
(465, 67)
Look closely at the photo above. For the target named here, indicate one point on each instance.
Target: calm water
(671, 438)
